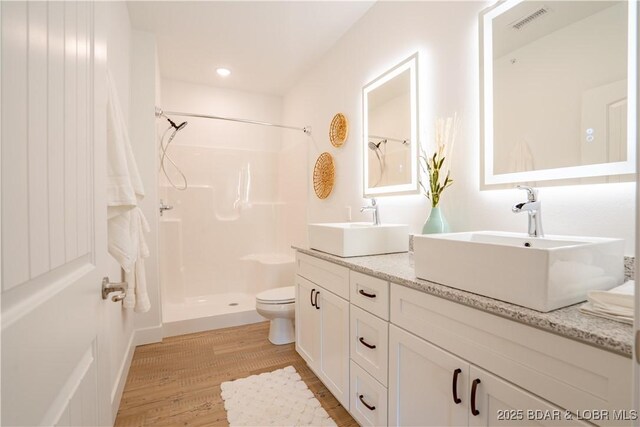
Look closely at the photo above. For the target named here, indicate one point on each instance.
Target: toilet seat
(284, 295)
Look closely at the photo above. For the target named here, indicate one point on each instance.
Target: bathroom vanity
(397, 350)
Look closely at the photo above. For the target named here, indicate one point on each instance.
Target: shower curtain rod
(160, 113)
(404, 141)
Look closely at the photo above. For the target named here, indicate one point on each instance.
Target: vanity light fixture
(223, 72)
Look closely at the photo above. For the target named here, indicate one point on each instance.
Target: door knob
(108, 287)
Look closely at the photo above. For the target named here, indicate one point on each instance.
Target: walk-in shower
(226, 237)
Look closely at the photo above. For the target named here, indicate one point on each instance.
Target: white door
(496, 402)
(334, 345)
(307, 322)
(427, 385)
(53, 214)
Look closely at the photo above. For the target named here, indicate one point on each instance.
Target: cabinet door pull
(316, 301)
(366, 344)
(456, 399)
(312, 292)
(474, 389)
(361, 292)
(369, 407)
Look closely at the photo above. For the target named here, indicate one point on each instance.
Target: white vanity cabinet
(393, 355)
(518, 367)
(322, 322)
(432, 387)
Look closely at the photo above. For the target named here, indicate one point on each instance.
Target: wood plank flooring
(177, 381)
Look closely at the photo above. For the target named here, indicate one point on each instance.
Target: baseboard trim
(118, 387)
(148, 335)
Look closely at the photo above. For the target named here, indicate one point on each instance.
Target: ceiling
(266, 45)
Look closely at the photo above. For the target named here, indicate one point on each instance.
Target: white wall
(209, 100)
(131, 59)
(119, 322)
(145, 149)
(446, 36)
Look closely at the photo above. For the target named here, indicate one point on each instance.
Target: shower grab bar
(161, 113)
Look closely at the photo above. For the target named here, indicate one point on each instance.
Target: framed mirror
(390, 128)
(558, 87)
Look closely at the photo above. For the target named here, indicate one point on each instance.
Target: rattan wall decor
(324, 175)
(339, 130)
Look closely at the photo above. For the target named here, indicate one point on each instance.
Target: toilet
(278, 305)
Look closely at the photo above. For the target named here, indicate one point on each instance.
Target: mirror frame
(488, 179)
(411, 64)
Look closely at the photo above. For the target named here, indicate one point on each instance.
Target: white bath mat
(278, 398)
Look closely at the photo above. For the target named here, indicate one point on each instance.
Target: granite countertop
(568, 322)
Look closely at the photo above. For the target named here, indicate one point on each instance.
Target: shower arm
(161, 113)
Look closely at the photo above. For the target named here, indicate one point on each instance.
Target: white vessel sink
(539, 273)
(359, 238)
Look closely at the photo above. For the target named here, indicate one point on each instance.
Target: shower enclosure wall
(229, 233)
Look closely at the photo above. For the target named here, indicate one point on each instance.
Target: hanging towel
(126, 223)
(520, 158)
(615, 304)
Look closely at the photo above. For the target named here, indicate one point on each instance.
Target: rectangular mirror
(390, 147)
(558, 90)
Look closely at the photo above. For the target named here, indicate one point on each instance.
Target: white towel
(126, 223)
(616, 304)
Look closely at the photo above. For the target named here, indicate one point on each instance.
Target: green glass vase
(436, 223)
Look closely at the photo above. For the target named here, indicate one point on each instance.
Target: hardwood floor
(177, 381)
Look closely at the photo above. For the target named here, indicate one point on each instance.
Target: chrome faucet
(532, 207)
(374, 208)
(164, 207)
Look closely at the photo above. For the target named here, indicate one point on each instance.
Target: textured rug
(278, 398)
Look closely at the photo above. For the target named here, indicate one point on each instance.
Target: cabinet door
(334, 345)
(500, 403)
(421, 383)
(307, 322)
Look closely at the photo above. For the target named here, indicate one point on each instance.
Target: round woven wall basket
(339, 130)
(324, 174)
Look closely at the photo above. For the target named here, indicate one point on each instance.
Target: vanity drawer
(369, 331)
(332, 277)
(370, 293)
(368, 402)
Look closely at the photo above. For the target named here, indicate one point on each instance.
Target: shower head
(174, 125)
(160, 113)
(373, 146)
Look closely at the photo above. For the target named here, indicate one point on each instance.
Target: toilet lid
(278, 295)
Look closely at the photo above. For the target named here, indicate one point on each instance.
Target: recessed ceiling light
(224, 72)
